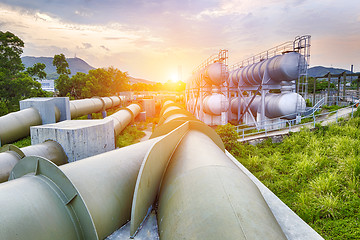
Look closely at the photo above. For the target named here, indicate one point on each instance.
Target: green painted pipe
(87, 199)
(16, 125)
(204, 195)
(10, 155)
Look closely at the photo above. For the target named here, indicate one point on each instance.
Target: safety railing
(284, 124)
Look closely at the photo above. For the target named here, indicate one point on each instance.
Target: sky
(162, 40)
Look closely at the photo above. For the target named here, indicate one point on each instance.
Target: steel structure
(243, 92)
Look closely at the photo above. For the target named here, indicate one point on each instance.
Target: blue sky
(151, 39)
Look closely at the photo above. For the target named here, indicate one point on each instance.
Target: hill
(133, 80)
(320, 71)
(75, 65)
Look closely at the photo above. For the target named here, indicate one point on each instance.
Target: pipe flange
(175, 111)
(13, 148)
(65, 190)
(195, 124)
(170, 105)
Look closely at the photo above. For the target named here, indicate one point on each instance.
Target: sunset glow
(145, 39)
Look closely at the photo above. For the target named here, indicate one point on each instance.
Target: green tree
(11, 47)
(63, 83)
(61, 64)
(15, 85)
(37, 70)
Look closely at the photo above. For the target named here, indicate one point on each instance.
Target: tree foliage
(98, 82)
(61, 64)
(15, 84)
(37, 70)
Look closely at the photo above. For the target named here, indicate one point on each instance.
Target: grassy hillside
(316, 173)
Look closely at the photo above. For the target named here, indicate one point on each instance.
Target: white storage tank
(216, 73)
(215, 104)
(280, 68)
(276, 105)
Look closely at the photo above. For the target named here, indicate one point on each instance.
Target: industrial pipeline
(16, 125)
(201, 193)
(10, 155)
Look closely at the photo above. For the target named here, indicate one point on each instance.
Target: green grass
(316, 173)
(130, 135)
(24, 142)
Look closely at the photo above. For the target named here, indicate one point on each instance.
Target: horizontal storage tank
(280, 68)
(215, 104)
(276, 105)
(216, 73)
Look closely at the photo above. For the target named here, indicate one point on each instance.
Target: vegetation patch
(24, 142)
(130, 135)
(316, 173)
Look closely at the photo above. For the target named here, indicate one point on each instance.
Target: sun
(174, 77)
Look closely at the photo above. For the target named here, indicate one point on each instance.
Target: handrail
(292, 123)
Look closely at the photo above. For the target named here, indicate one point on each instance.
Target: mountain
(133, 80)
(320, 71)
(75, 65)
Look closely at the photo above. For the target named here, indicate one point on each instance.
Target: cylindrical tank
(16, 125)
(216, 73)
(83, 107)
(215, 104)
(280, 68)
(286, 104)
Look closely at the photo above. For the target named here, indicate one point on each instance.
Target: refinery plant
(265, 87)
(181, 183)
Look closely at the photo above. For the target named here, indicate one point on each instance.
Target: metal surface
(83, 107)
(206, 196)
(53, 209)
(16, 125)
(87, 199)
(10, 155)
(215, 104)
(124, 117)
(150, 175)
(106, 182)
(285, 105)
(280, 68)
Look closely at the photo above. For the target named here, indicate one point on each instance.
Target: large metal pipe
(16, 125)
(87, 199)
(204, 195)
(86, 106)
(83, 107)
(10, 155)
(124, 117)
